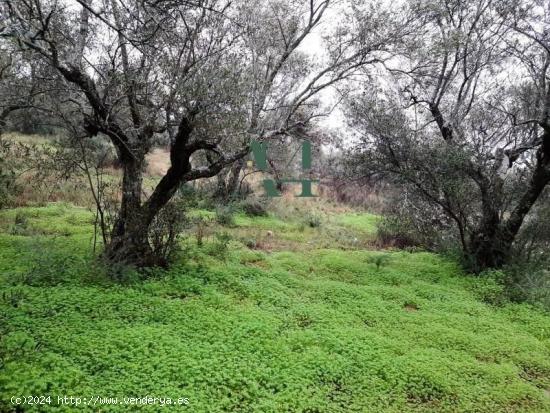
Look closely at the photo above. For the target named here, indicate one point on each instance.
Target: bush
(220, 247)
(379, 260)
(490, 287)
(119, 273)
(225, 216)
(166, 229)
(397, 233)
(410, 222)
(201, 225)
(50, 266)
(529, 282)
(251, 243)
(21, 224)
(8, 188)
(254, 208)
(190, 196)
(312, 220)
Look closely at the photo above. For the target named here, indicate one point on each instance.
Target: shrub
(225, 216)
(12, 296)
(190, 195)
(410, 221)
(120, 273)
(220, 247)
(254, 208)
(201, 224)
(490, 287)
(528, 274)
(312, 220)
(8, 188)
(397, 232)
(166, 229)
(379, 260)
(51, 266)
(251, 243)
(529, 282)
(21, 224)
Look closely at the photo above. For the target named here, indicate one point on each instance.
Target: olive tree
(208, 76)
(462, 122)
(21, 85)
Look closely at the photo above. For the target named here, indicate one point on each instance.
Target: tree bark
(233, 182)
(490, 247)
(129, 242)
(488, 250)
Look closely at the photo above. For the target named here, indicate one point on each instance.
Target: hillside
(280, 314)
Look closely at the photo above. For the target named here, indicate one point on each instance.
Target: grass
(27, 139)
(328, 327)
(365, 223)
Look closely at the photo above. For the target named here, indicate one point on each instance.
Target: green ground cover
(328, 327)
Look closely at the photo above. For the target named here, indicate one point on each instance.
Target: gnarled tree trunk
(491, 245)
(129, 243)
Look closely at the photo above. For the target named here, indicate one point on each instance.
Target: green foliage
(20, 225)
(398, 232)
(529, 282)
(312, 220)
(237, 330)
(50, 267)
(167, 228)
(490, 288)
(364, 222)
(193, 197)
(379, 260)
(8, 187)
(225, 215)
(254, 208)
(201, 224)
(220, 247)
(251, 243)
